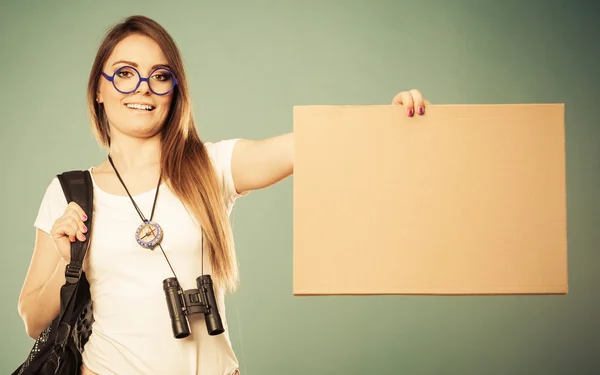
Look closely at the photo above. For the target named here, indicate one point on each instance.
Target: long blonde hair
(185, 162)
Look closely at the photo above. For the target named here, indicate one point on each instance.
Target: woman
(146, 123)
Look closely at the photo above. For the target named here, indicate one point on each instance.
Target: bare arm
(262, 163)
(39, 302)
(257, 164)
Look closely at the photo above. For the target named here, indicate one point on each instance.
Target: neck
(133, 153)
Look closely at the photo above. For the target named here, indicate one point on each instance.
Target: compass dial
(148, 234)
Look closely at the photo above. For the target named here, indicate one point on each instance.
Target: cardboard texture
(466, 199)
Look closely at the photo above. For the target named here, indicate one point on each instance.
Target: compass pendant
(149, 234)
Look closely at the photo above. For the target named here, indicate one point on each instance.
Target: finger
(407, 101)
(398, 98)
(418, 101)
(74, 206)
(64, 230)
(74, 215)
(70, 227)
(76, 229)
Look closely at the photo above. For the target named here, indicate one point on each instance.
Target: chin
(143, 129)
(137, 128)
(137, 123)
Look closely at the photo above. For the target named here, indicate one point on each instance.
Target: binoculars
(182, 303)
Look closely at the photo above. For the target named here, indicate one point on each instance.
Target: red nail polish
(420, 110)
(410, 112)
(84, 217)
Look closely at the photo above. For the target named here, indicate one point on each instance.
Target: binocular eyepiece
(182, 303)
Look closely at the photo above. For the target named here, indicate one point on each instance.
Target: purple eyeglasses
(127, 79)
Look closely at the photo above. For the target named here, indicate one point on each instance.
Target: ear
(99, 97)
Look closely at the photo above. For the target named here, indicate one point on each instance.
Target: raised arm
(258, 164)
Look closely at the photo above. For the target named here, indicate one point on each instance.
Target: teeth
(140, 106)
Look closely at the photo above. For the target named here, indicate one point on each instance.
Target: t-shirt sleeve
(52, 207)
(221, 155)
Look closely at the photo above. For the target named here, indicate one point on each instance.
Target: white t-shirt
(132, 332)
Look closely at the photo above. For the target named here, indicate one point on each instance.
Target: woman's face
(140, 113)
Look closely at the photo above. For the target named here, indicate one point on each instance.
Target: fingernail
(83, 235)
(73, 240)
(410, 112)
(85, 228)
(84, 217)
(420, 110)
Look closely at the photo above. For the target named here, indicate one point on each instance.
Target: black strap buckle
(73, 273)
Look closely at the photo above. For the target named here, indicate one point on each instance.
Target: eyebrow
(135, 65)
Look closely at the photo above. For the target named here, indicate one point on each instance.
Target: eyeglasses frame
(111, 78)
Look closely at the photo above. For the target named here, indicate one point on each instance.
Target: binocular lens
(214, 324)
(179, 322)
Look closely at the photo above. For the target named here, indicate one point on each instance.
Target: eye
(125, 73)
(162, 75)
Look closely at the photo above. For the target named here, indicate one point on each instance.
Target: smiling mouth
(140, 107)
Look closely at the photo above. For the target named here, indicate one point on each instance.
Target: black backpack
(58, 349)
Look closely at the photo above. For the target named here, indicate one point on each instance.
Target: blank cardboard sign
(466, 199)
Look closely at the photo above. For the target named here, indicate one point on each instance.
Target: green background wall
(249, 63)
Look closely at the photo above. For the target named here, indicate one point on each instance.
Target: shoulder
(221, 154)
(221, 151)
(52, 206)
(54, 191)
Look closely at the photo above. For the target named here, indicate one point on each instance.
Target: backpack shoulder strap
(77, 187)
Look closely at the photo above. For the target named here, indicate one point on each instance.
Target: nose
(143, 87)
